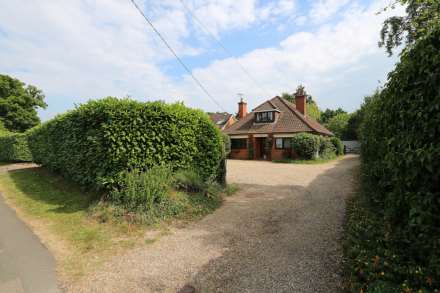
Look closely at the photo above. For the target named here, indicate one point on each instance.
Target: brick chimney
(242, 109)
(301, 100)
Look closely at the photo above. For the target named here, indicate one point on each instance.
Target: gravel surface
(280, 233)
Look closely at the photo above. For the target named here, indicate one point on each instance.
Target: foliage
(351, 131)
(144, 190)
(14, 148)
(401, 163)
(306, 145)
(19, 104)
(3, 130)
(312, 107)
(96, 143)
(327, 149)
(421, 16)
(329, 114)
(337, 144)
(338, 124)
(189, 180)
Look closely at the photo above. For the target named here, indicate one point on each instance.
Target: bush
(143, 190)
(188, 180)
(400, 135)
(306, 145)
(327, 149)
(339, 146)
(14, 148)
(96, 143)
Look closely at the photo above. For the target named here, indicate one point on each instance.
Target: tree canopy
(421, 16)
(19, 104)
(338, 124)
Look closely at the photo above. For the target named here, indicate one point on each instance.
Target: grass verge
(80, 230)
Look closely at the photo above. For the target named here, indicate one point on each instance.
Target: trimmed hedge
(400, 136)
(14, 148)
(96, 143)
(310, 146)
(306, 145)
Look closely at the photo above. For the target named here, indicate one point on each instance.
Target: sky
(88, 49)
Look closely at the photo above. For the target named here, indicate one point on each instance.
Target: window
(265, 116)
(283, 143)
(238, 143)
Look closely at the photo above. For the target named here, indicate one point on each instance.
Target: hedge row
(97, 142)
(14, 148)
(310, 146)
(400, 137)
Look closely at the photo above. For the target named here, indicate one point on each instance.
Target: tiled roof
(288, 120)
(219, 119)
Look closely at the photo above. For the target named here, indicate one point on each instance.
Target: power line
(207, 31)
(176, 56)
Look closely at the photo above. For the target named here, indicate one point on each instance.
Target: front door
(261, 148)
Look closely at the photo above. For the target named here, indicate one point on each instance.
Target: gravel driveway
(280, 233)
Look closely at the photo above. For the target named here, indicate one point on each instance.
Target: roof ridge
(299, 115)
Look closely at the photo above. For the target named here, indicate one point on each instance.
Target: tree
(420, 18)
(329, 113)
(338, 124)
(19, 104)
(312, 108)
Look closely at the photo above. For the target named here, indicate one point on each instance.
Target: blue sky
(87, 49)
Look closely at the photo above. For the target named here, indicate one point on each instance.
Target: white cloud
(75, 50)
(322, 10)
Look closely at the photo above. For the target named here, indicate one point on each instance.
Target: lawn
(70, 221)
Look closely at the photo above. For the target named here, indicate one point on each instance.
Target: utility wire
(177, 57)
(213, 36)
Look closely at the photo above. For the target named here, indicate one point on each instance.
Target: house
(222, 120)
(266, 132)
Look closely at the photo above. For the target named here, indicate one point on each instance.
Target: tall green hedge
(14, 148)
(95, 143)
(400, 137)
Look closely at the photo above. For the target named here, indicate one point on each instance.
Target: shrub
(306, 145)
(337, 143)
(96, 143)
(14, 148)
(326, 149)
(188, 180)
(400, 135)
(143, 189)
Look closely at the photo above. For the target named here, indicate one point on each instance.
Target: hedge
(96, 143)
(14, 148)
(400, 150)
(310, 146)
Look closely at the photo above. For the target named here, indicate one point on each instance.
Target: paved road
(25, 264)
(280, 233)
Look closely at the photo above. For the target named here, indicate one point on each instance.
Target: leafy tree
(312, 108)
(3, 130)
(329, 113)
(19, 104)
(338, 124)
(351, 131)
(420, 18)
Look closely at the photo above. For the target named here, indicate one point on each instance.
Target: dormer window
(264, 117)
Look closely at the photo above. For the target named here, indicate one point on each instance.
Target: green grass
(63, 210)
(307, 162)
(81, 230)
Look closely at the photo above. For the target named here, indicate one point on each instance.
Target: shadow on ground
(44, 186)
(283, 238)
